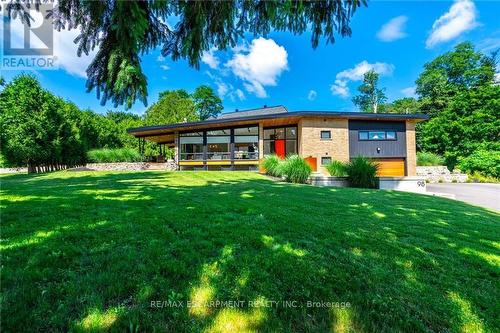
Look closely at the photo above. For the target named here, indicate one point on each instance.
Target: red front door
(279, 147)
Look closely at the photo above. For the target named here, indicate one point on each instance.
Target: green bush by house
(362, 173)
(485, 162)
(337, 169)
(293, 168)
(113, 155)
(271, 165)
(429, 159)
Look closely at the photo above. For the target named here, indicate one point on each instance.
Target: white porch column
(261, 141)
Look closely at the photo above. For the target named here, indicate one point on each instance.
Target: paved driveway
(485, 195)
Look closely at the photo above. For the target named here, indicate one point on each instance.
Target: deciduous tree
(452, 73)
(403, 105)
(370, 97)
(173, 106)
(206, 102)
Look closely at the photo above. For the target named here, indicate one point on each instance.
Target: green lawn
(95, 251)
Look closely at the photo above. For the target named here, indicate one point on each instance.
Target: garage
(390, 167)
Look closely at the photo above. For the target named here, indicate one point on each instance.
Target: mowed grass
(90, 251)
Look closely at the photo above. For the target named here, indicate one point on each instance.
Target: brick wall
(311, 144)
(411, 147)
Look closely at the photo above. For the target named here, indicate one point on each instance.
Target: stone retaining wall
(13, 170)
(318, 180)
(130, 166)
(440, 174)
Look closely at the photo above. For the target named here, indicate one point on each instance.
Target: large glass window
(191, 146)
(281, 141)
(218, 144)
(246, 143)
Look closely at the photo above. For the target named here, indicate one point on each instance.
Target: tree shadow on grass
(94, 252)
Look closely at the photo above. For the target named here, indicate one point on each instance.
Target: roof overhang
(163, 133)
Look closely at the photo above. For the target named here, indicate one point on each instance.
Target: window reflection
(281, 141)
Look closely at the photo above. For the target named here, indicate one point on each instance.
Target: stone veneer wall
(411, 147)
(170, 165)
(14, 170)
(311, 144)
(440, 173)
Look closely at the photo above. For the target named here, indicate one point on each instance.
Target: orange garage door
(391, 167)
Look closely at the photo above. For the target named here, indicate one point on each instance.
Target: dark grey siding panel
(396, 148)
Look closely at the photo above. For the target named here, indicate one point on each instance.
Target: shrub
(485, 162)
(362, 172)
(3, 162)
(113, 155)
(295, 169)
(272, 164)
(429, 159)
(337, 169)
(476, 177)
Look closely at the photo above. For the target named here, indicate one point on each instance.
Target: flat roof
(140, 131)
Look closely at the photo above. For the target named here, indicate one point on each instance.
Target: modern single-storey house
(239, 140)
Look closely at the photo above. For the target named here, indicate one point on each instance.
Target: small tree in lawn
(371, 97)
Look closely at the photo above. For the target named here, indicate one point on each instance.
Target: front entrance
(279, 146)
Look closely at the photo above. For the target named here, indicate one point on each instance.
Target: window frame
(373, 131)
(325, 131)
(325, 157)
(296, 138)
(237, 155)
(205, 134)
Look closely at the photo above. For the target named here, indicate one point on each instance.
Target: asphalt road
(484, 195)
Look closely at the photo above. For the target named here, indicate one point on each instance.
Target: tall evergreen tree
(121, 31)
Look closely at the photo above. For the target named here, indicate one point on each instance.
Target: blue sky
(396, 38)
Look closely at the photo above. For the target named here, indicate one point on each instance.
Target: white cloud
(312, 95)
(408, 92)
(341, 90)
(240, 94)
(160, 58)
(65, 50)
(222, 88)
(260, 65)
(164, 67)
(393, 30)
(489, 44)
(460, 17)
(226, 89)
(356, 74)
(210, 59)
(496, 78)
